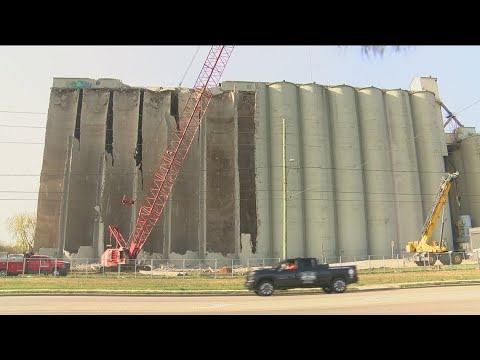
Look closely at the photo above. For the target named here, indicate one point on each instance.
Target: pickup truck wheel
(265, 288)
(327, 290)
(3, 272)
(339, 285)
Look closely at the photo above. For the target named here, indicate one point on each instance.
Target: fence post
(151, 267)
(384, 266)
(369, 264)
(263, 262)
(55, 271)
(86, 269)
(232, 268)
(118, 274)
(135, 269)
(183, 266)
(215, 270)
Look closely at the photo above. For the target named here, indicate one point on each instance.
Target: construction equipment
(171, 162)
(427, 252)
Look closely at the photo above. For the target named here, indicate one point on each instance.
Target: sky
(27, 72)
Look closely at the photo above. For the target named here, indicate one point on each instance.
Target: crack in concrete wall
(246, 168)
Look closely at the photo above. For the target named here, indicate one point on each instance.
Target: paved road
(432, 300)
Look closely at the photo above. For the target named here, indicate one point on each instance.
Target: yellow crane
(425, 251)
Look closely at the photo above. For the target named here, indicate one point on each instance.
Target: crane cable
(189, 65)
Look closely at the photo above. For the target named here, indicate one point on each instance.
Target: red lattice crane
(171, 162)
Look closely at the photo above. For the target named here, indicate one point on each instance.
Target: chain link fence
(224, 268)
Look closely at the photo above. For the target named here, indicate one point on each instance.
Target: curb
(415, 285)
(351, 288)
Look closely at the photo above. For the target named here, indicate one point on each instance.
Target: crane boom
(171, 162)
(433, 216)
(438, 206)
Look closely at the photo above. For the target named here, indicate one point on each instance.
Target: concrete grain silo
(431, 150)
(348, 172)
(362, 168)
(470, 152)
(318, 186)
(377, 172)
(404, 166)
(283, 105)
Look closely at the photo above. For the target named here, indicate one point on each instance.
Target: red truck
(15, 264)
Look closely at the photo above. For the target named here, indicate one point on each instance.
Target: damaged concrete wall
(357, 173)
(185, 196)
(157, 124)
(221, 192)
(60, 125)
(119, 161)
(246, 171)
(87, 151)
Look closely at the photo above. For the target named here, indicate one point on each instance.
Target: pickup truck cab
(301, 273)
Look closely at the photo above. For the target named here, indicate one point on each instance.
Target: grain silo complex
(362, 169)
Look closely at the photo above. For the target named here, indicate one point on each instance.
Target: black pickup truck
(301, 273)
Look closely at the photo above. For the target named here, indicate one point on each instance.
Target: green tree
(22, 228)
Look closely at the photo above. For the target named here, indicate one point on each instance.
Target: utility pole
(284, 190)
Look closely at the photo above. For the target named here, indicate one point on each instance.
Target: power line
(189, 65)
(23, 112)
(23, 126)
(265, 190)
(469, 106)
(22, 142)
(233, 171)
(418, 201)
